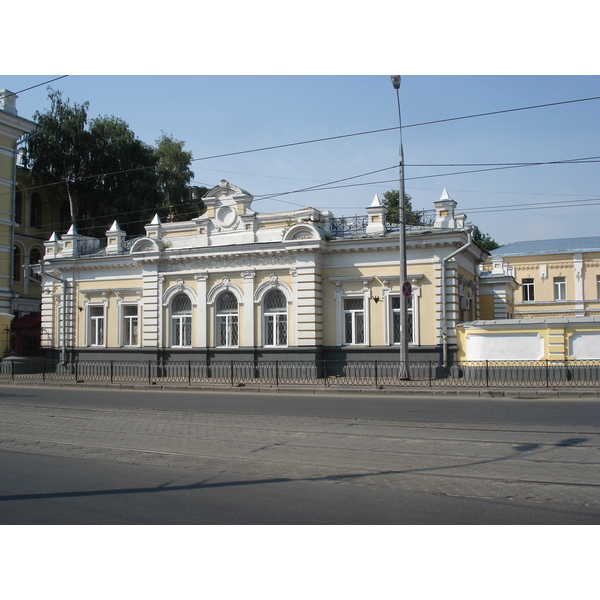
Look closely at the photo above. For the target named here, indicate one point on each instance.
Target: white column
(579, 295)
(248, 339)
(151, 308)
(201, 312)
(309, 308)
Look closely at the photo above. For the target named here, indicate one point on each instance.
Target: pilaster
(248, 338)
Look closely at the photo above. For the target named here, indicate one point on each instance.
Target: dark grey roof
(585, 244)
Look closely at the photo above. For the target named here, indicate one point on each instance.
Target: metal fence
(327, 373)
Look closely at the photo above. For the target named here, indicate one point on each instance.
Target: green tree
(123, 184)
(105, 172)
(180, 200)
(59, 154)
(483, 240)
(391, 202)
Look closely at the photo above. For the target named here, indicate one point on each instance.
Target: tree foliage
(391, 202)
(60, 152)
(104, 172)
(483, 240)
(174, 176)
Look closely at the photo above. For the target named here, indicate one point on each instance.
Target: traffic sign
(407, 289)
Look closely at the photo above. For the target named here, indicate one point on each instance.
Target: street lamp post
(404, 289)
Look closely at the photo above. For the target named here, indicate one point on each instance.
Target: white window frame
(278, 319)
(178, 322)
(229, 319)
(396, 311)
(560, 289)
(528, 288)
(96, 324)
(353, 313)
(340, 294)
(125, 328)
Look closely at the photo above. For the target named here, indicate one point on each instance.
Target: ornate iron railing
(357, 225)
(327, 373)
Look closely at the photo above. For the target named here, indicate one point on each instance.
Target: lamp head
(396, 81)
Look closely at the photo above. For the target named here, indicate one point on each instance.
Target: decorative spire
(72, 230)
(115, 227)
(376, 201)
(445, 195)
(156, 220)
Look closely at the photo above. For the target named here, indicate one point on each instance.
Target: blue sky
(222, 114)
(241, 76)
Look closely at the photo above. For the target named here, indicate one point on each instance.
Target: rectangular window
(354, 321)
(182, 330)
(276, 329)
(527, 286)
(96, 325)
(560, 288)
(396, 319)
(130, 325)
(227, 330)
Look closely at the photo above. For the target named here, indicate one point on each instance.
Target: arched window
(34, 258)
(227, 325)
(181, 321)
(17, 263)
(18, 206)
(275, 319)
(36, 210)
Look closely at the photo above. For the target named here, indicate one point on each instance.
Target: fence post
(232, 374)
(547, 374)
(487, 373)
(375, 373)
(12, 370)
(189, 372)
(277, 373)
(149, 372)
(112, 366)
(76, 369)
(325, 372)
(430, 376)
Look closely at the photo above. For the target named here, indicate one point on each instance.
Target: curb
(485, 393)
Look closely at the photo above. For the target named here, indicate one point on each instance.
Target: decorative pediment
(301, 231)
(274, 283)
(145, 244)
(225, 285)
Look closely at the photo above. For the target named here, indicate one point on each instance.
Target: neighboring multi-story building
(12, 252)
(556, 278)
(236, 283)
(539, 300)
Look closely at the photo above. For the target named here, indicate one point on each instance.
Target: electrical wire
(330, 185)
(343, 136)
(34, 86)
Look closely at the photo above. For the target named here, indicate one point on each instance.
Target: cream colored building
(556, 278)
(540, 300)
(240, 284)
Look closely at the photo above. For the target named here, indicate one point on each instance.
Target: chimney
(8, 102)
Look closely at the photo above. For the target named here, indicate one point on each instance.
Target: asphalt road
(73, 456)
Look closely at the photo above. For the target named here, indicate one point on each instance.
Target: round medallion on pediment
(226, 216)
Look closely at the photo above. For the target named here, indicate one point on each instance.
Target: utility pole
(405, 288)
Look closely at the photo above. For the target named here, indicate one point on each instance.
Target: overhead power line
(34, 86)
(348, 135)
(502, 166)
